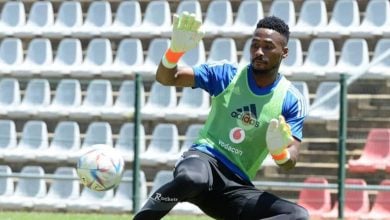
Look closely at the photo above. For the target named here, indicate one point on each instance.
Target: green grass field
(84, 216)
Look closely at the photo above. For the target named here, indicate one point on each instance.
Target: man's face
(268, 48)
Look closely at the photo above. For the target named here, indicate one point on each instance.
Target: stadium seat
(356, 202)
(9, 94)
(345, 15)
(189, 138)
(285, 10)
(41, 16)
(123, 198)
(98, 16)
(30, 186)
(67, 96)
(34, 139)
(381, 69)
(294, 59)
(11, 54)
(8, 136)
(222, 49)
(156, 50)
(191, 6)
(89, 200)
(36, 96)
(191, 103)
(164, 176)
(354, 56)
(328, 109)
(161, 99)
(381, 206)
(376, 19)
(128, 16)
(312, 15)
(157, 19)
(320, 56)
(316, 201)
(69, 16)
(194, 57)
(248, 14)
(219, 15)
(69, 55)
(13, 16)
(97, 133)
(66, 139)
(64, 187)
(303, 89)
(123, 64)
(164, 142)
(98, 96)
(125, 141)
(123, 107)
(6, 182)
(98, 55)
(375, 151)
(39, 54)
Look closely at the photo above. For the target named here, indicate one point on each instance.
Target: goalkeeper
(255, 111)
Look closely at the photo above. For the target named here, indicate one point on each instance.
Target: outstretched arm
(186, 34)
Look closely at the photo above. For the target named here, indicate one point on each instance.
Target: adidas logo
(247, 115)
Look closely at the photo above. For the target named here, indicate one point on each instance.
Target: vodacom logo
(237, 135)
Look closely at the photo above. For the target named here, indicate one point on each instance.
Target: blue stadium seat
(13, 16)
(219, 14)
(125, 141)
(9, 94)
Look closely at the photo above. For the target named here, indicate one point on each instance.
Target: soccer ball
(100, 168)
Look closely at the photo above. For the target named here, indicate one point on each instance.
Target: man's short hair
(276, 24)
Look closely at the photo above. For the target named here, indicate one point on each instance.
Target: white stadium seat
(36, 96)
(11, 54)
(157, 19)
(13, 16)
(8, 136)
(222, 49)
(89, 200)
(6, 183)
(30, 187)
(61, 190)
(376, 19)
(9, 94)
(328, 110)
(194, 57)
(164, 142)
(285, 10)
(98, 16)
(66, 140)
(34, 139)
(345, 15)
(125, 141)
(219, 14)
(69, 55)
(41, 16)
(312, 15)
(161, 99)
(69, 16)
(98, 96)
(245, 57)
(294, 58)
(248, 14)
(128, 17)
(382, 68)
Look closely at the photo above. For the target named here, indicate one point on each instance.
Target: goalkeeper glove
(186, 34)
(278, 138)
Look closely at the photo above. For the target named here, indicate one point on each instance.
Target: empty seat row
(356, 205)
(68, 143)
(218, 20)
(64, 191)
(99, 57)
(98, 101)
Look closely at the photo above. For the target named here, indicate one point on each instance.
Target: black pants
(207, 183)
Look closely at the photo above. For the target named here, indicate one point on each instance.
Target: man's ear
(285, 52)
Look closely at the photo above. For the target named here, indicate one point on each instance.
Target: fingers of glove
(273, 125)
(190, 22)
(196, 24)
(175, 21)
(184, 19)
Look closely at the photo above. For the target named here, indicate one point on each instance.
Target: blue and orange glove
(278, 138)
(186, 34)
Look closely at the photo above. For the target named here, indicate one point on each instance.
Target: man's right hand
(186, 34)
